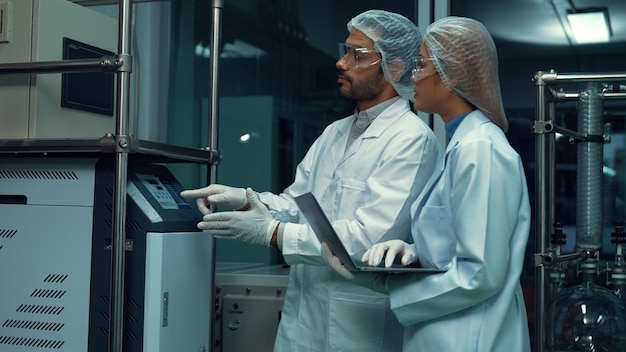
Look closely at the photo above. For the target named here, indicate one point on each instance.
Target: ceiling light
(590, 25)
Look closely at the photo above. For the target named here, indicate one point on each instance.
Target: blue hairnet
(466, 59)
(397, 39)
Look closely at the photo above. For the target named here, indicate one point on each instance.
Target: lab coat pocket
(356, 320)
(436, 229)
(350, 196)
(353, 185)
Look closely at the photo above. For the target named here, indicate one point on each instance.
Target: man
(366, 170)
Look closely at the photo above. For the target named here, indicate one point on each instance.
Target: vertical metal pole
(427, 12)
(424, 14)
(116, 329)
(542, 206)
(216, 38)
(548, 218)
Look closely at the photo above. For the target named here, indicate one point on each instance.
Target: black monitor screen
(87, 91)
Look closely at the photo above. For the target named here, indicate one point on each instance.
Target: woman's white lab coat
(474, 219)
(366, 192)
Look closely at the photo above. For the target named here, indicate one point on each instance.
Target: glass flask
(586, 317)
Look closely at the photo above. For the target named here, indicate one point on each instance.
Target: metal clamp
(129, 244)
(543, 259)
(215, 156)
(117, 63)
(117, 143)
(542, 127)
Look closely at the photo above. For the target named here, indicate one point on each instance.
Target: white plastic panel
(178, 290)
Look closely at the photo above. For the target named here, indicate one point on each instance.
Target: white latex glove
(254, 225)
(390, 250)
(374, 281)
(217, 194)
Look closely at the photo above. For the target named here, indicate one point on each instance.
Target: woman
(473, 217)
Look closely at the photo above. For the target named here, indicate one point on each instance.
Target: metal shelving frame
(121, 144)
(544, 128)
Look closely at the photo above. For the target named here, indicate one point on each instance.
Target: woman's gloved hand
(254, 225)
(232, 197)
(389, 250)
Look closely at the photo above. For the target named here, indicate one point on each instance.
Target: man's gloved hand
(217, 194)
(390, 250)
(374, 281)
(254, 226)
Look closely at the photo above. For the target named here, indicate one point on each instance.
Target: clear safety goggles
(357, 57)
(421, 68)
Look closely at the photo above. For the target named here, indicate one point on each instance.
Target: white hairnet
(466, 59)
(397, 39)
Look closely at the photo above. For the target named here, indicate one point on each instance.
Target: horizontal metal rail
(105, 63)
(551, 77)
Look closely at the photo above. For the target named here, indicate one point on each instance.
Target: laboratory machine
(55, 258)
(56, 105)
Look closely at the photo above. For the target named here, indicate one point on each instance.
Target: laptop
(325, 232)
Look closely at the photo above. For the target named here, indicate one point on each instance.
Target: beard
(366, 88)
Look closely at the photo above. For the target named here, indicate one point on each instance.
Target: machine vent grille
(130, 302)
(129, 318)
(105, 315)
(128, 333)
(31, 342)
(39, 309)
(38, 174)
(133, 225)
(30, 322)
(32, 325)
(55, 278)
(104, 331)
(130, 224)
(43, 293)
(6, 233)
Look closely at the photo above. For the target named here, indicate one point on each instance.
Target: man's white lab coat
(366, 191)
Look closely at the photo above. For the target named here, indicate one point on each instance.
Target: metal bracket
(543, 127)
(575, 137)
(117, 63)
(543, 259)
(591, 138)
(547, 259)
(545, 78)
(216, 155)
(118, 143)
(129, 244)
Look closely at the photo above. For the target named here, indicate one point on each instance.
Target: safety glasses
(421, 69)
(358, 57)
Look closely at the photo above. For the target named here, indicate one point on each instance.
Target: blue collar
(454, 123)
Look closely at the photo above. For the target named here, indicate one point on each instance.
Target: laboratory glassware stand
(120, 145)
(548, 231)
